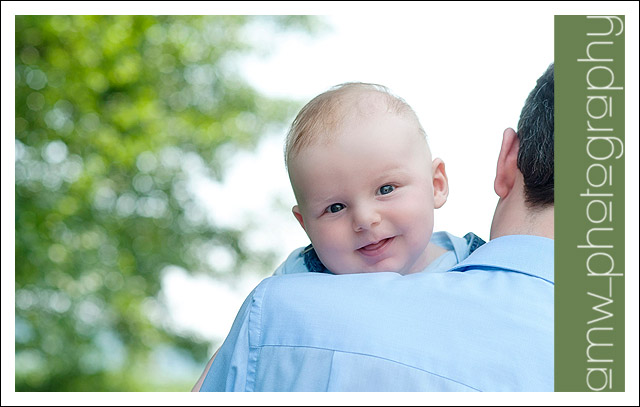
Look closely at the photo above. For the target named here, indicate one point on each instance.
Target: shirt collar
(527, 254)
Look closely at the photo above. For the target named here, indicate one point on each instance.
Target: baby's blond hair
(324, 113)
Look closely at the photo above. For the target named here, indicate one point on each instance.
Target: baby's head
(364, 181)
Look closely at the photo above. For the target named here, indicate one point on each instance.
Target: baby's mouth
(375, 248)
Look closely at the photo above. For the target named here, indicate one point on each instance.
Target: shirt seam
(333, 355)
(478, 267)
(255, 326)
(372, 356)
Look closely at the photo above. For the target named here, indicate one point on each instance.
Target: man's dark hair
(535, 133)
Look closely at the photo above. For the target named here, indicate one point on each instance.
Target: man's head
(364, 180)
(525, 173)
(535, 134)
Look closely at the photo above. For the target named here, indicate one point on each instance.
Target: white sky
(465, 68)
(466, 86)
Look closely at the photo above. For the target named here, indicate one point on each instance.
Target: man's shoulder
(525, 254)
(472, 319)
(522, 254)
(492, 278)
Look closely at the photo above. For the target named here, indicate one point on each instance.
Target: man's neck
(523, 221)
(542, 223)
(538, 224)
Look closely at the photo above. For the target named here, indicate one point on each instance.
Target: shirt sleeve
(228, 371)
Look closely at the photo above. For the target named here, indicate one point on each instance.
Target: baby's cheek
(328, 244)
(331, 260)
(330, 253)
(419, 226)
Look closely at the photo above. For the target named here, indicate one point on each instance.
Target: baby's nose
(365, 219)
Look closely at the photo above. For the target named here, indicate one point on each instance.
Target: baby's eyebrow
(320, 203)
(391, 172)
(314, 199)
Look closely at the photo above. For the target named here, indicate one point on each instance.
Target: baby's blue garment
(304, 259)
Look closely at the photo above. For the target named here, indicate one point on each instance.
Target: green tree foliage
(112, 114)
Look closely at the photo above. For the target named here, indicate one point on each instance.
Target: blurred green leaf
(108, 111)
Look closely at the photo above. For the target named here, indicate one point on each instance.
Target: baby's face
(366, 197)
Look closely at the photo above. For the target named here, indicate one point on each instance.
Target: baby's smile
(376, 249)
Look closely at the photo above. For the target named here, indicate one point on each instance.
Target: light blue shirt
(485, 325)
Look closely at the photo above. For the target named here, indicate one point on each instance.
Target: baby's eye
(386, 189)
(335, 208)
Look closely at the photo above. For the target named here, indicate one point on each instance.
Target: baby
(366, 186)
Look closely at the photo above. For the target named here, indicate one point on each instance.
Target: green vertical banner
(589, 203)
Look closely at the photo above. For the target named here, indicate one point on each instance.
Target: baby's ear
(440, 183)
(298, 215)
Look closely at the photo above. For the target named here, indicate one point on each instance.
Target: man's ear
(440, 183)
(507, 168)
(298, 215)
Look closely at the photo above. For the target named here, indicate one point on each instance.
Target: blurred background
(150, 189)
(124, 129)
